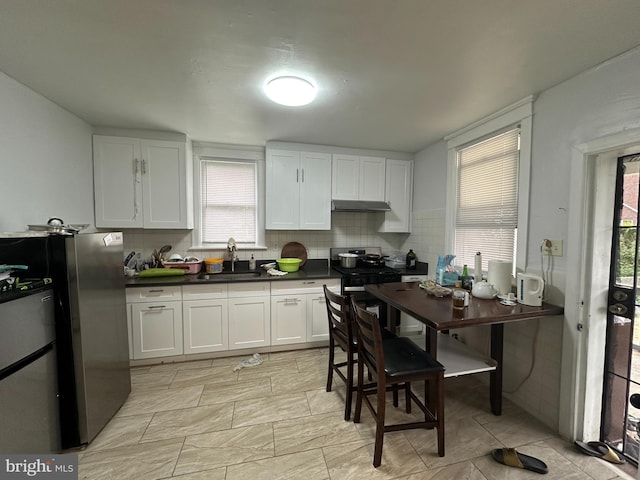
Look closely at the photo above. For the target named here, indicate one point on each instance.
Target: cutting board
(295, 250)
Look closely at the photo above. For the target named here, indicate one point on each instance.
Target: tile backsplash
(348, 229)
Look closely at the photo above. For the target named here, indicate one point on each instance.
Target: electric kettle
(529, 289)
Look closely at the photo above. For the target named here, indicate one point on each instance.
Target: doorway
(620, 418)
(589, 247)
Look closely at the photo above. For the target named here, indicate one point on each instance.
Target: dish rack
(188, 267)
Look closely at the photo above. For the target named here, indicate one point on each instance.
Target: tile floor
(201, 420)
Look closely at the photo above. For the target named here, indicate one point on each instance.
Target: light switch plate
(556, 248)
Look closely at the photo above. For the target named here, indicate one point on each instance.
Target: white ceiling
(393, 74)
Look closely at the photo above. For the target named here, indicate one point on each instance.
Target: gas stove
(354, 279)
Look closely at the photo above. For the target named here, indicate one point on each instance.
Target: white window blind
(229, 200)
(487, 199)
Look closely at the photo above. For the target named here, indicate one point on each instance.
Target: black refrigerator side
(46, 257)
(91, 324)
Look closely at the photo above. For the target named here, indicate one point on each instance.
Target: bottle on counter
(411, 260)
(252, 263)
(466, 279)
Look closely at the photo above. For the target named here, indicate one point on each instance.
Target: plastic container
(213, 265)
(190, 268)
(289, 264)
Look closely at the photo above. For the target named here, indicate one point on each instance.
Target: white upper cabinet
(398, 193)
(356, 177)
(141, 183)
(298, 190)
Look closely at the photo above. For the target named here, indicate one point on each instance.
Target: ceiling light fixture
(290, 91)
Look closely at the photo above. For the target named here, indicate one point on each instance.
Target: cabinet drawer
(210, 291)
(151, 294)
(248, 289)
(298, 287)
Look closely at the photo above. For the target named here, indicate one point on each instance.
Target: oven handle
(354, 289)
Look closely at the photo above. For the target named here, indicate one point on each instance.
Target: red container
(189, 267)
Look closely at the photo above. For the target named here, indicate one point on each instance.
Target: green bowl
(289, 264)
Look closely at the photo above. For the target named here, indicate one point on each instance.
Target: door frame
(591, 198)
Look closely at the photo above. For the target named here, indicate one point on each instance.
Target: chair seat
(403, 357)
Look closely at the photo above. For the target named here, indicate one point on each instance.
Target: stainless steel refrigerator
(91, 323)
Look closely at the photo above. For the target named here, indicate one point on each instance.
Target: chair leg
(356, 414)
(349, 397)
(380, 416)
(440, 412)
(331, 363)
(407, 396)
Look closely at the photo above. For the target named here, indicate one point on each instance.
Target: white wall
(596, 103)
(45, 160)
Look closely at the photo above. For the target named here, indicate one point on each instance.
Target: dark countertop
(312, 269)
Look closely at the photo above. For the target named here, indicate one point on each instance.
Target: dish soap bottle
(252, 263)
(411, 260)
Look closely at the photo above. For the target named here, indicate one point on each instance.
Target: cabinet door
(249, 322)
(398, 192)
(164, 184)
(116, 175)
(282, 190)
(206, 325)
(289, 315)
(315, 191)
(317, 321)
(372, 181)
(345, 177)
(157, 329)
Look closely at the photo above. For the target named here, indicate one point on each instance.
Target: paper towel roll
(477, 268)
(499, 275)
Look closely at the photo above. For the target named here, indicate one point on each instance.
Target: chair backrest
(369, 337)
(339, 315)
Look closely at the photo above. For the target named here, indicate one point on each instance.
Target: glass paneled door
(621, 395)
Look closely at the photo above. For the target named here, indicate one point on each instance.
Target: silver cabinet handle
(157, 307)
(303, 175)
(297, 175)
(291, 301)
(156, 290)
(144, 167)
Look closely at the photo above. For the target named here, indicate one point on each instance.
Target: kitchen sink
(229, 276)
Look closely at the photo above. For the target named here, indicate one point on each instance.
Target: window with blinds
(487, 199)
(229, 201)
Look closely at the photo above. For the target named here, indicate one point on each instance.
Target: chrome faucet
(231, 248)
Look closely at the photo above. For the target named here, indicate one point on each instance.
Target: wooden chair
(341, 334)
(395, 362)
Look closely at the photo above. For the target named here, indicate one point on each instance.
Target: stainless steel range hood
(359, 206)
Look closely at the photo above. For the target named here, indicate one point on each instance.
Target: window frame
(520, 113)
(204, 151)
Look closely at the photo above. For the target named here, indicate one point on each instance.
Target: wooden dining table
(438, 315)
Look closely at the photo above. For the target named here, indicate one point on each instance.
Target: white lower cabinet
(289, 319)
(249, 315)
(168, 321)
(298, 311)
(155, 315)
(205, 325)
(317, 321)
(156, 329)
(409, 324)
(205, 318)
